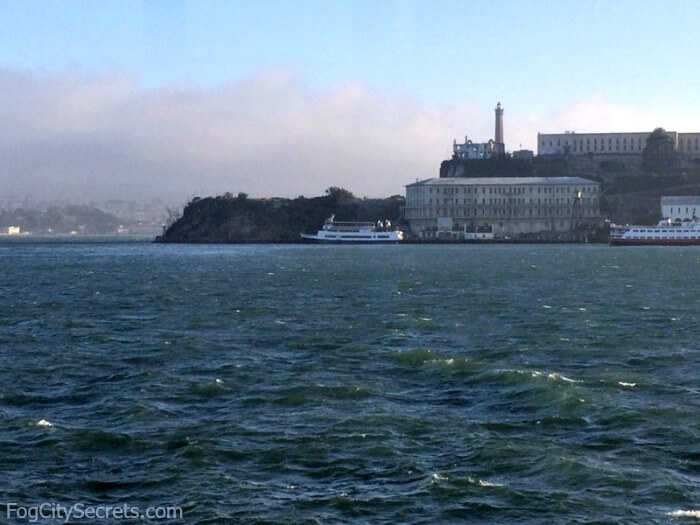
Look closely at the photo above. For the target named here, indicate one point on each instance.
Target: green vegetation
(659, 155)
(241, 219)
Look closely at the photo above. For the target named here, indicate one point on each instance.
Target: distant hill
(232, 219)
(61, 219)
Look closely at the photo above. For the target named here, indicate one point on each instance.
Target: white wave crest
(485, 483)
(622, 383)
(44, 423)
(554, 376)
(685, 514)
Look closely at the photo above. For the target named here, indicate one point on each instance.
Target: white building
(572, 143)
(475, 150)
(505, 206)
(680, 209)
(689, 144)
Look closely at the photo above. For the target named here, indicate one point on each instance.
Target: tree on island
(659, 155)
(339, 195)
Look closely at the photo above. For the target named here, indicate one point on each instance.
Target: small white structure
(11, 230)
(680, 209)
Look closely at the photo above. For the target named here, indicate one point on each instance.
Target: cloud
(71, 134)
(598, 114)
(74, 135)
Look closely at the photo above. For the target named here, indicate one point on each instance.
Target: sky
(171, 99)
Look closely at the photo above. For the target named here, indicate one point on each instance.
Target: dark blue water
(296, 384)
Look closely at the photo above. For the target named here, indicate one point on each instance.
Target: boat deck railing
(350, 224)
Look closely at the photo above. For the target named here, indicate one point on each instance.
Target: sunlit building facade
(571, 143)
(506, 206)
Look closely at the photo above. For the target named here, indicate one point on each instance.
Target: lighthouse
(498, 137)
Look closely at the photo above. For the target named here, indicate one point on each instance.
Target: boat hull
(654, 242)
(324, 240)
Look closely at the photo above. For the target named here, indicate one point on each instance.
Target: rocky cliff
(229, 219)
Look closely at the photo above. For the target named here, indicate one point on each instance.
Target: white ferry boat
(664, 233)
(355, 232)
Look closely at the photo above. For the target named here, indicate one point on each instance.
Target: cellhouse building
(503, 206)
(572, 143)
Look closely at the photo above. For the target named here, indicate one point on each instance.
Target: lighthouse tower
(498, 138)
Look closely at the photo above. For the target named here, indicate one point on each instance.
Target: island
(238, 218)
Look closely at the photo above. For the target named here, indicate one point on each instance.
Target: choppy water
(287, 384)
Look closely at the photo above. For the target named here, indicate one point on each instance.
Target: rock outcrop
(230, 219)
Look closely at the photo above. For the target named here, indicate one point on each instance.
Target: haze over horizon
(142, 100)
